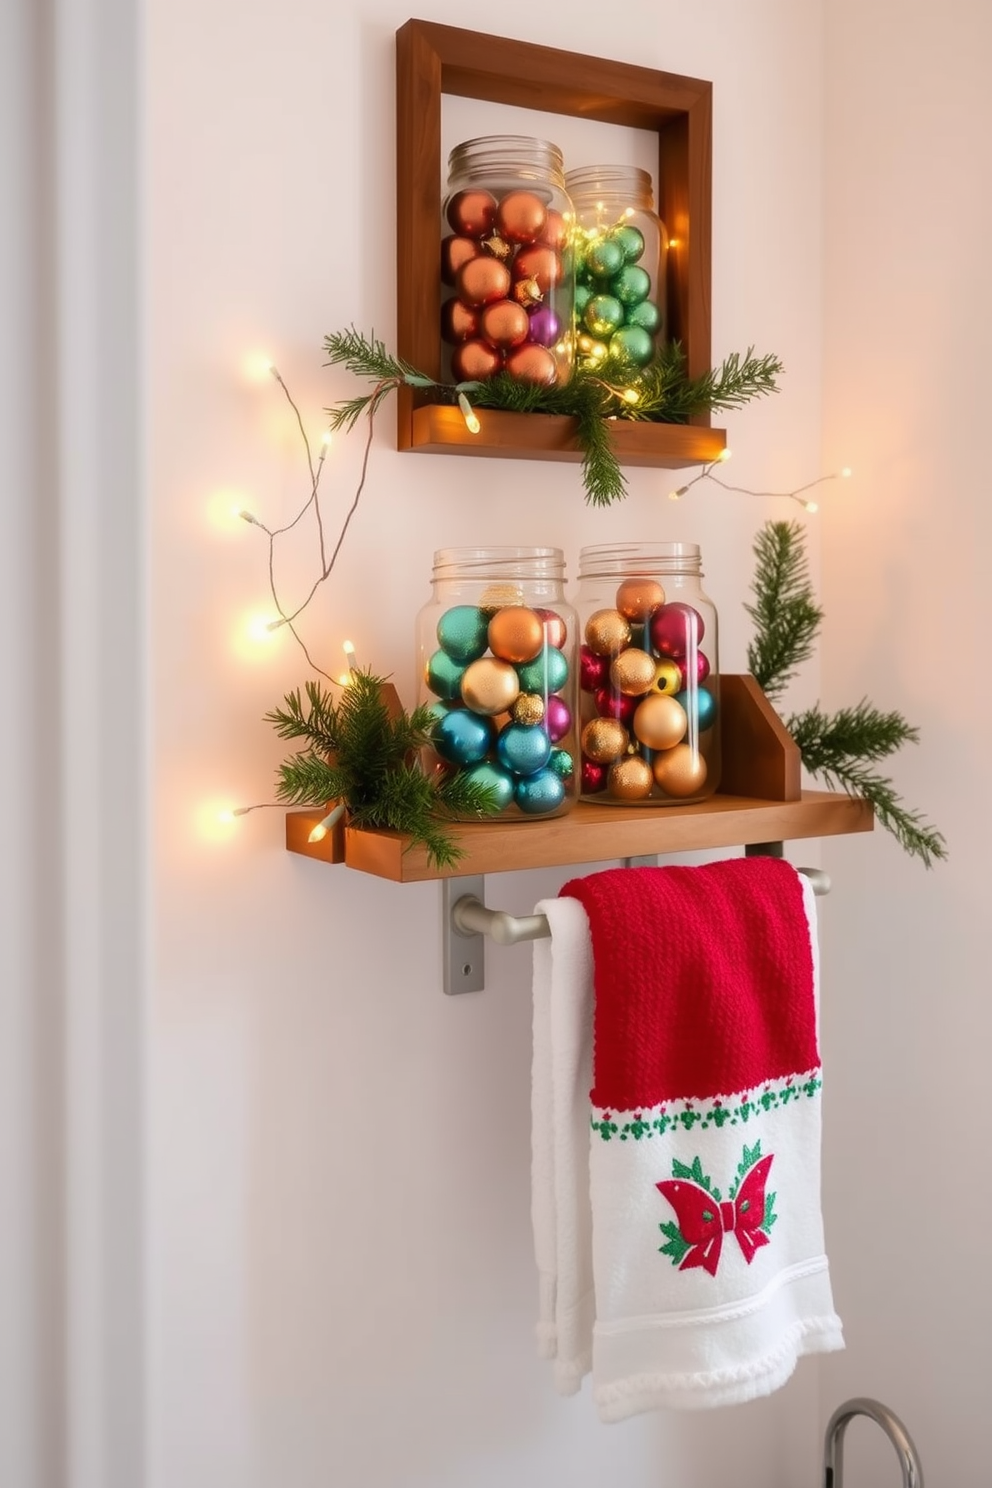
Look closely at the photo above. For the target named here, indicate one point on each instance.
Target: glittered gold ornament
(540, 263)
(527, 293)
(504, 324)
(483, 279)
(530, 363)
(474, 361)
(529, 708)
(659, 722)
(494, 596)
(516, 634)
(498, 247)
(667, 678)
(630, 779)
(489, 686)
(604, 740)
(455, 251)
(520, 217)
(680, 771)
(633, 671)
(607, 632)
(639, 598)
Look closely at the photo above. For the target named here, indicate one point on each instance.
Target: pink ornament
(593, 776)
(557, 718)
(675, 628)
(612, 704)
(702, 669)
(545, 327)
(555, 628)
(593, 669)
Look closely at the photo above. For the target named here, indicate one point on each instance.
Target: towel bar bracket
(463, 946)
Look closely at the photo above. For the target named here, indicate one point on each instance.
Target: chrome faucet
(833, 1442)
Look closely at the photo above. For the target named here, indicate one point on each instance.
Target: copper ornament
(482, 279)
(660, 722)
(474, 361)
(489, 686)
(455, 251)
(604, 740)
(607, 632)
(539, 262)
(520, 216)
(639, 598)
(458, 322)
(516, 634)
(633, 671)
(504, 324)
(472, 212)
(630, 779)
(679, 771)
(555, 230)
(529, 708)
(531, 363)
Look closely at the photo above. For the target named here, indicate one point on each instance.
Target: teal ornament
(604, 257)
(461, 631)
(631, 242)
(540, 793)
(704, 710)
(462, 737)
(603, 314)
(546, 673)
(646, 315)
(497, 782)
(444, 676)
(523, 748)
(437, 710)
(583, 294)
(632, 343)
(562, 763)
(631, 285)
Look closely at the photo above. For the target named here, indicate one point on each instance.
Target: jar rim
(488, 562)
(639, 558)
(611, 181)
(508, 154)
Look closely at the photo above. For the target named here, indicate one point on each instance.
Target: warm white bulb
(846, 472)
(812, 506)
(724, 455)
(348, 648)
(468, 414)
(276, 624)
(260, 628)
(326, 438)
(345, 679)
(225, 816)
(630, 395)
(318, 834)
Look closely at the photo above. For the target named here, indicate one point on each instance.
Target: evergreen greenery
(592, 396)
(357, 753)
(841, 748)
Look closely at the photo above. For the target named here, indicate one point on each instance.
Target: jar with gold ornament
(621, 258)
(497, 648)
(507, 278)
(649, 700)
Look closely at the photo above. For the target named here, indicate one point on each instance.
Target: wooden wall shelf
(432, 60)
(761, 802)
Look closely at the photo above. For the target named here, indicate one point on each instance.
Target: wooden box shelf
(761, 802)
(432, 60)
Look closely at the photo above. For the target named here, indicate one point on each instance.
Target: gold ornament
(639, 598)
(607, 632)
(498, 247)
(527, 292)
(630, 779)
(680, 771)
(668, 678)
(490, 686)
(516, 634)
(660, 722)
(604, 740)
(495, 596)
(633, 671)
(529, 708)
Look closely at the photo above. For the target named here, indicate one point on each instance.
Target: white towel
(676, 1211)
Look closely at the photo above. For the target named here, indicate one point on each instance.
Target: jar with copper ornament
(497, 659)
(621, 258)
(649, 701)
(507, 278)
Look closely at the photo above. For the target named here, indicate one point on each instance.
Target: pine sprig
(786, 617)
(667, 394)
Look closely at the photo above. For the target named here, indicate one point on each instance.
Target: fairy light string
(797, 495)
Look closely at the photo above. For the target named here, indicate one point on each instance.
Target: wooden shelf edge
(439, 429)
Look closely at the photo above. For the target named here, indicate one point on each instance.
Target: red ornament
(610, 704)
(674, 628)
(474, 361)
(520, 217)
(593, 776)
(540, 263)
(455, 251)
(531, 363)
(458, 322)
(471, 213)
(702, 669)
(504, 324)
(593, 669)
(554, 628)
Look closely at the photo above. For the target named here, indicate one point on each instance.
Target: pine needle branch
(786, 617)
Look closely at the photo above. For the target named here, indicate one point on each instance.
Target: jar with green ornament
(621, 256)
(497, 647)
(649, 699)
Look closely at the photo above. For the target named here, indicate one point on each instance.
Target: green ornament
(462, 632)
(604, 257)
(444, 676)
(632, 343)
(583, 294)
(603, 315)
(499, 782)
(631, 242)
(646, 314)
(631, 285)
(562, 763)
(546, 673)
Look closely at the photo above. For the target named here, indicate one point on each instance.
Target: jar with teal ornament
(497, 658)
(621, 257)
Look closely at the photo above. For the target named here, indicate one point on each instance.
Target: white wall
(907, 313)
(342, 1290)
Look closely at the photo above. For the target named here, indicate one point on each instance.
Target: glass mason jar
(497, 658)
(650, 693)
(507, 278)
(621, 258)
